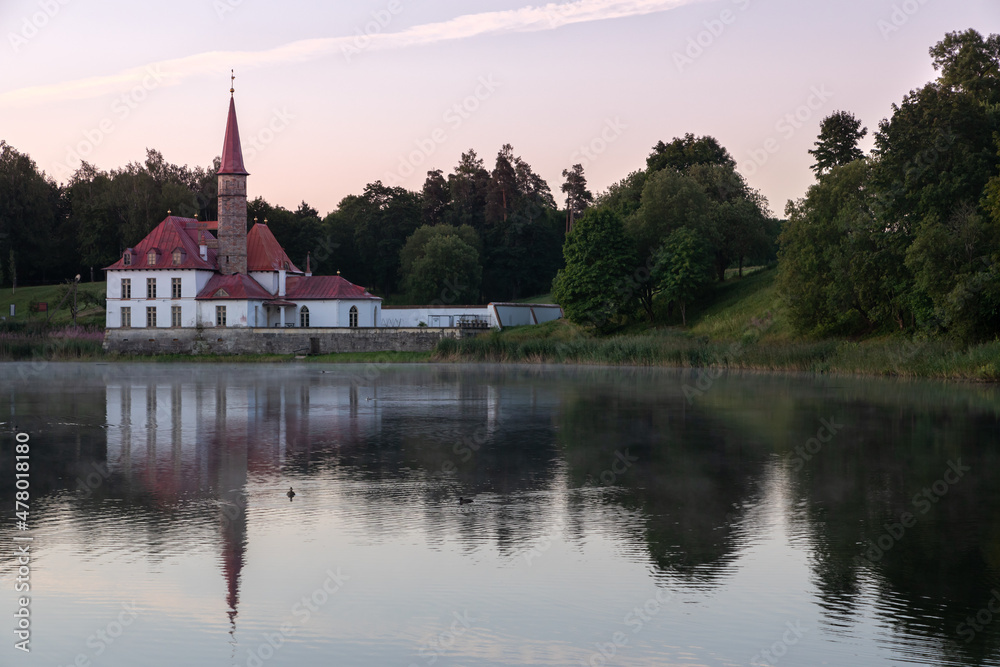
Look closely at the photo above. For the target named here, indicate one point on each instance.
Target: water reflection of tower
(232, 443)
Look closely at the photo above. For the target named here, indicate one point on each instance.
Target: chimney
(202, 248)
(308, 265)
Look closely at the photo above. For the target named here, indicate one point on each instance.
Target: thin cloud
(172, 72)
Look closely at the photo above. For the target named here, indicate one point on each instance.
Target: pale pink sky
(332, 96)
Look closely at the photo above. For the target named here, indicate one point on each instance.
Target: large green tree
(592, 288)
(683, 268)
(670, 200)
(441, 265)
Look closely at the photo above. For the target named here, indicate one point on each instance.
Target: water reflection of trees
(690, 482)
(898, 438)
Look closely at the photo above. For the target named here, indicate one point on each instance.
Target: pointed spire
(232, 152)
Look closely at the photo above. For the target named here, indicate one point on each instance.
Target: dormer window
(179, 256)
(127, 258)
(151, 258)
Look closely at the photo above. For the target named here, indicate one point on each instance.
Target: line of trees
(908, 238)
(484, 234)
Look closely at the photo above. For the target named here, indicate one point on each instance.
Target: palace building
(188, 273)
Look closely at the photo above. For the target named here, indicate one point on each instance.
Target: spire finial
(232, 81)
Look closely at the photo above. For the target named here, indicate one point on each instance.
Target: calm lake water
(620, 517)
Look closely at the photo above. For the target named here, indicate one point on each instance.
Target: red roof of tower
(174, 233)
(323, 287)
(236, 286)
(264, 253)
(232, 153)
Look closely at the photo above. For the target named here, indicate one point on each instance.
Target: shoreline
(888, 358)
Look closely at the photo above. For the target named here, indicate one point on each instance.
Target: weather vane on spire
(232, 83)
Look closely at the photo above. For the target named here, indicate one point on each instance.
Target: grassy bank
(23, 297)
(743, 328)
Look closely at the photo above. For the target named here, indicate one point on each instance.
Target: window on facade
(150, 288)
(151, 317)
(126, 318)
(304, 317)
(151, 258)
(220, 316)
(126, 288)
(175, 316)
(127, 259)
(175, 288)
(354, 316)
(179, 257)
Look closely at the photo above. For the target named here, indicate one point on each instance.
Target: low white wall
(433, 316)
(494, 315)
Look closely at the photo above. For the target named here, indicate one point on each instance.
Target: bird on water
(464, 501)
(291, 493)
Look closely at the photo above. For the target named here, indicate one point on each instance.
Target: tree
(578, 197)
(739, 214)
(683, 268)
(28, 208)
(688, 151)
(469, 186)
(837, 143)
(599, 258)
(445, 271)
(503, 191)
(954, 264)
(670, 200)
(837, 271)
(13, 271)
(969, 63)
(415, 245)
(436, 201)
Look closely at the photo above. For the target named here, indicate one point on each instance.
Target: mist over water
(617, 519)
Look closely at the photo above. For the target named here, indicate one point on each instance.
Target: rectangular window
(126, 288)
(220, 316)
(175, 288)
(150, 288)
(151, 317)
(126, 318)
(175, 316)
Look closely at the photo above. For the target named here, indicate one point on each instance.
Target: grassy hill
(23, 297)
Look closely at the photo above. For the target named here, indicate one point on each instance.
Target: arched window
(127, 258)
(179, 257)
(151, 258)
(304, 318)
(354, 316)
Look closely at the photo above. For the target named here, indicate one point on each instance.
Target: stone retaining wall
(273, 341)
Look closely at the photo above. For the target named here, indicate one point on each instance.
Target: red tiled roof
(236, 286)
(172, 234)
(323, 287)
(264, 253)
(232, 153)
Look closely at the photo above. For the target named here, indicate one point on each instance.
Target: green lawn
(22, 297)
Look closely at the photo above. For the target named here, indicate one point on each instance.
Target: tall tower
(232, 199)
